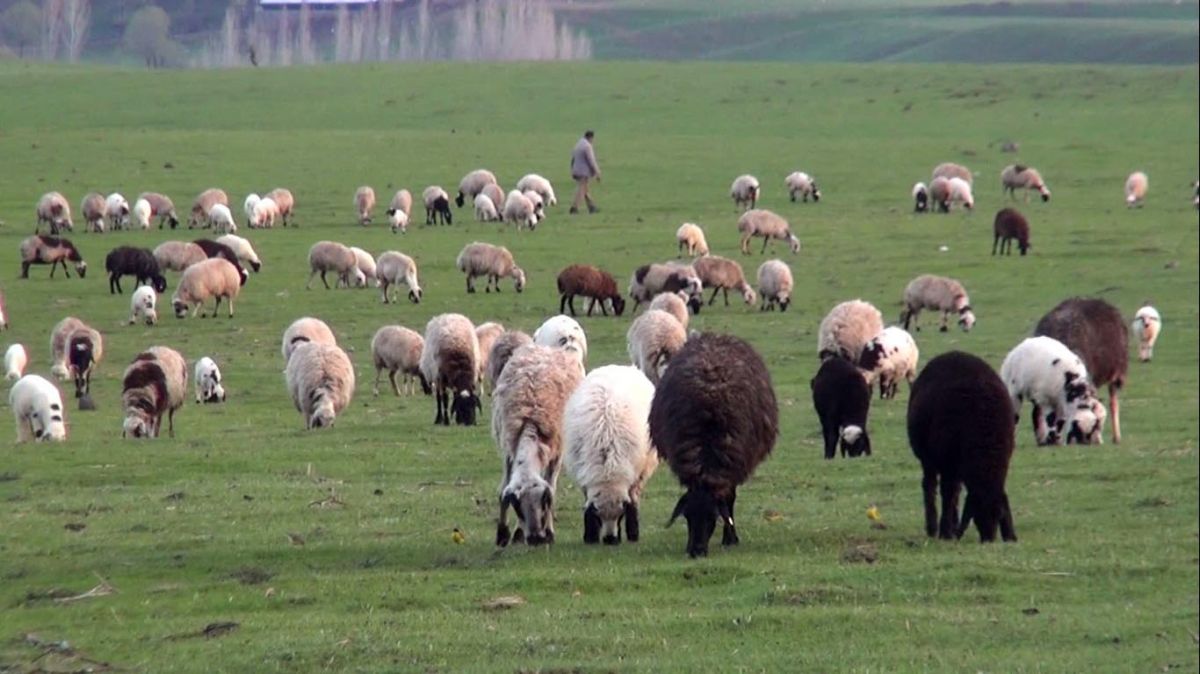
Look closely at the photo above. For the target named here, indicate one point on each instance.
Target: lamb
(204, 203)
(652, 341)
(519, 210)
(606, 450)
(1136, 186)
(502, 350)
(38, 410)
(264, 214)
(920, 195)
(495, 193)
(485, 209)
(527, 420)
(651, 279)
(437, 205)
(483, 259)
(1093, 329)
(214, 278)
(84, 351)
(303, 331)
(53, 209)
(92, 208)
(672, 303)
(60, 340)
(745, 192)
(487, 334)
(775, 285)
(1045, 371)
(939, 293)
(890, 356)
(960, 193)
(450, 364)
(142, 212)
(366, 265)
(591, 282)
(161, 207)
(399, 211)
(533, 182)
(1008, 226)
(248, 207)
(800, 183)
(721, 380)
(939, 194)
(721, 274)
(208, 382)
(768, 225)
(691, 239)
(950, 170)
(320, 378)
(241, 249)
(364, 202)
(143, 305)
(16, 359)
(563, 332)
(154, 384)
(1017, 177)
(960, 429)
(51, 250)
(472, 184)
(220, 218)
(327, 256)
(1147, 325)
(215, 249)
(136, 262)
(842, 400)
(846, 330)
(285, 202)
(178, 255)
(398, 349)
(394, 268)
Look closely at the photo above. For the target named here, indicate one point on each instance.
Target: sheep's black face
(173, 221)
(536, 512)
(699, 508)
(81, 269)
(1045, 197)
(160, 284)
(783, 304)
(256, 266)
(694, 304)
(180, 309)
(414, 296)
(460, 200)
(464, 406)
(618, 305)
(1024, 248)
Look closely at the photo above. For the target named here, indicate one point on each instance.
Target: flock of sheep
(611, 426)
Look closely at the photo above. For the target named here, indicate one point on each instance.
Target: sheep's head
(150, 315)
(181, 308)
(872, 355)
(749, 295)
(816, 192)
(399, 220)
(603, 515)
(460, 199)
(159, 282)
(1087, 423)
(322, 417)
(785, 299)
(701, 508)
(793, 243)
(212, 392)
(855, 442)
(534, 503)
(694, 303)
(81, 268)
(48, 424)
(618, 304)
(1045, 193)
(518, 275)
(966, 318)
(414, 294)
(173, 220)
(136, 426)
(464, 406)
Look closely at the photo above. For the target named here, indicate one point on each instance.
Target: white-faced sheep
(141, 214)
(519, 210)
(485, 209)
(960, 429)
(1136, 186)
(437, 205)
(220, 218)
(920, 196)
(533, 182)
(775, 285)
(16, 358)
(394, 268)
(136, 262)
(1147, 325)
(691, 240)
(890, 356)
(320, 378)
(847, 329)
(606, 450)
(241, 248)
(722, 274)
(652, 340)
(1010, 226)
(366, 267)
(472, 184)
(248, 206)
(208, 381)
(264, 214)
(364, 203)
(1045, 372)
(285, 202)
(960, 193)
(92, 209)
(154, 384)
(563, 332)
(672, 303)
(768, 225)
(38, 410)
(527, 420)
(399, 211)
(178, 255)
(939, 293)
(494, 262)
(161, 207)
(745, 192)
(397, 350)
(505, 346)
(204, 203)
(51, 250)
(591, 282)
(215, 278)
(842, 401)
(651, 279)
(1018, 177)
(53, 209)
(143, 306)
(722, 380)
(939, 195)
(949, 170)
(330, 256)
(450, 364)
(802, 185)
(303, 331)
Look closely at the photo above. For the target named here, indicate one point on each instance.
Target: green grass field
(230, 521)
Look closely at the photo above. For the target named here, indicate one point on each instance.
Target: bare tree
(383, 33)
(52, 28)
(304, 37)
(341, 35)
(283, 40)
(77, 18)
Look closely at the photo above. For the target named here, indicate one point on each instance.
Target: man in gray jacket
(583, 169)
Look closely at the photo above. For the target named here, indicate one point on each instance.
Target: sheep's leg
(24, 269)
(216, 306)
(378, 374)
(170, 422)
(745, 245)
(950, 488)
(230, 306)
(391, 378)
(969, 507)
(945, 322)
(729, 531)
(308, 286)
(929, 483)
(996, 240)
(562, 305)
(714, 296)
(470, 283)
(1114, 409)
(1007, 531)
(54, 267)
(323, 280)
(766, 240)
(502, 533)
(725, 294)
(830, 432)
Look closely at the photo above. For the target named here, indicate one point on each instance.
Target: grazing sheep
(485, 209)
(51, 250)
(450, 364)
(721, 274)
(178, 255)
(1095, 331)
(672, 303)
(241, 248)
(960, 193)
(154, 384)
(487, 334)
(533, 182)
(53, 209)
(85, 349)
(775, 285)
(920, 195)
(472, 184)
(960, 429)
(60, 339)
(939, 195)
(842, 400)
(330, 256)
(248, 207)
(399, 211)
(264, 214)
(320, 378)
(1045, 371)
(394, 268)
(1008, 226)
(366, 265)
(143, 305)
(364, 203)
(591, 282)
(303, 331)
(539, 204)
(136, 262)
(142, 212)
(216, 249)
(768, 225)
(520, 210)
(1136, 186)
(38, 410)
(504, 347)
(285, 202)
(161, 207)
(1147, 325)
(495, 193)
(397, 349)
(714, 419)
(527, 419)
(215, 278)
(800, 183)
(16, 358)
(437, 205)
(92, 208)
(563, 332)
(745, 192)
(208, 382)
(939, 293)
(847, 329)
(1017, 177)
(950, 170)
(220, 218)
(691, 239)
(890, 356)
(653, 340)
(651, 279)
(606, 449)
(495, 262)
(204, 203)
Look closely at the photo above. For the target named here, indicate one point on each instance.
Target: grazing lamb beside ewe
(721, 274)
(960, 193)
(284, 202)
(920, 196)
(161, 207)
(1147, 325)
(1017, 177)
(16, 359)
(651, 279)
(775, 285)
(606, 450)
(1010, 226)
(563, 332)
(154, 384)
(1136, 186)
(220, 218)
(242, 249)
(450, 364)
(366, 266)
(51, 250)
(520, 210)
(890, 356)
(691, 239)
(320, 378)
(38, 410)
(591, 282)
(847, 329)
(653, 340)
(803, 185)
(437, 205)
(364, 203)
(721, 380)
(143, 305)
(533, 182)
(303, 331)
(397, 350)
(502, 350)
(938, 293)
(204, 203)
(399, 211)
(208, 382)
(842, 400)
(1044, 371)
(960, 429)
(950, 170)
(92, 208)
(330, 256)
(473, 183)
(745, 192)
(495, 262)
(53, 209)
(673, 303)
(215, 278)
(485, 209)
(178, 255)
(394, 268)
(136, 262)
(768, 225)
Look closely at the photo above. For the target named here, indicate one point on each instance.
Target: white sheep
(1017, 177)
(396, 349)
(220, 218)
(691, 240)
(285, 201)
(394, 268)
(847, 328)
(364, 203)
(178, 255)
(672, 303)
(803, 185)
(204, 203)
(399, 211)
(366, 265)
(450, 364)
(242, 249)
(495, 262)
(652, 340)
(651, 279)
(16, 359)
(116, 211)
(92, 208)
(950, 170)
(154, 384)
(485, 210)
(533, 182)
(563, 332)
(520, 210)
(38, 410)
(722, 274)
(53, 209)
(768, 225)
(472, 184)
(265, 213)
(303, 331)
(920, 196)
(142, 212)
(143, 305)
(215, 278)
(1052, 377)
(890, 356)
(320, 378)
(939, 293)
(745, 192)
(960, 193)
(208, 381)
(330, 256)
(607, 452)
(1147, 325)
(248, 205)
(1136, 186)
(775, 285)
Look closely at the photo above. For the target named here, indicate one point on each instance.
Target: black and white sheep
(75, 349)
(450, 364)
(37, 408)
(437, 205)
(136, 262)
(803, 185)
(397, 350)
(207, 376)
(1045, 372)
(320, 378)
(651, 279)
(920, 196)
(51, 250)
(154, 384)
(399, 211)
(591, 282)
(939, 293)
(890, 356)
(842, 401)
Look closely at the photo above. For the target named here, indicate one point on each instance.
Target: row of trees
(58, 29)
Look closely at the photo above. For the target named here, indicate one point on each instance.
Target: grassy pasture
(227, 522)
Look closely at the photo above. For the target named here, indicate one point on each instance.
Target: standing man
(583, 169)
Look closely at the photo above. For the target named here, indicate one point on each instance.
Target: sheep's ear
(679, 508)
(723, 511)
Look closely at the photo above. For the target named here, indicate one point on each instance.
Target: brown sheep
(1010, 225)
(51, 250)
(591, 282)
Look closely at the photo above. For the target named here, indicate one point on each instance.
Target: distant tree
(21, 25)
(147, 35)
(77, 18)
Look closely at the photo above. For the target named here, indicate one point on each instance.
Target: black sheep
(1010, 225)
(842, 400)
(440, 208)
(136, 262)
(714, 419)
(215, 249)
(960, 426)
